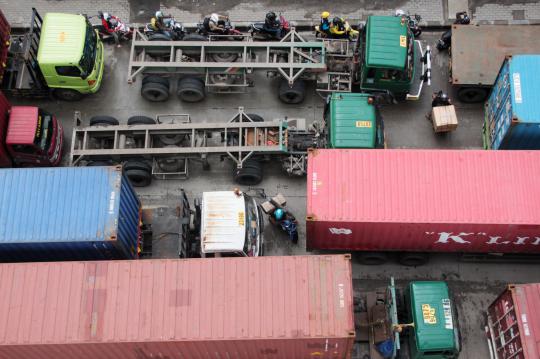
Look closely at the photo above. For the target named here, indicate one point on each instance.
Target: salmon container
(264, 307)
(424, 200)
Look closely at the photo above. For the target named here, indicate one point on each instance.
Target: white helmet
(214, 18)
(400, 12)
(106, 16)
(159, 14)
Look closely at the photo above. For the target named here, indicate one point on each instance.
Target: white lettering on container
(517, 87)
(111, 202)
(444, 237)
(494, 240)
(341, 293)
(314, 184)
(525, 324)
(340, 230)
(520, 240)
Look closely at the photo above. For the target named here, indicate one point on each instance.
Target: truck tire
(193, 37)
(158, 51)
(103, 121)
(372, 258)
(224, 56)
(250, 174)
(156, 79)
(190, 89)
(138, 173)
(155, 92)
(98, 164)
(171, 164)
(67, 94)
(254, 117)
(294, 94)
(472, 94)
(140, 120)
(413, 259)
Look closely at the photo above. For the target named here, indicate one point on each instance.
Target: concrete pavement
(302, 12)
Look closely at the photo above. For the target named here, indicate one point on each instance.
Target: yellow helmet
(325, 15)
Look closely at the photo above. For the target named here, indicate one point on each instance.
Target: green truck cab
(60, 55)
(431, 310)
(353, 121)
(391, 60)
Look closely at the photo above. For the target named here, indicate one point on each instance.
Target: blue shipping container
(512, 118)
(78, 213)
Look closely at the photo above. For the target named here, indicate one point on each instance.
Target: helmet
(159, 14)
(106, 16)
(214, 18)
(278, 213)
(325, 15)
(337, 21)
(271, 16)
(444, 96)
(400, 12)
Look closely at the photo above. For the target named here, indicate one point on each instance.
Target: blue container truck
(512, 114)
(77, 213)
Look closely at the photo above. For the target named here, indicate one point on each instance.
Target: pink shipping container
(514, 323)
(424, 200)
(265, 307)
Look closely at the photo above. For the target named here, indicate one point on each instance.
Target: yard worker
(215, 23)
(324, 26)
(340, 29)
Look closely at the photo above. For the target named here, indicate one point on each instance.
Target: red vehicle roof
(22, 125)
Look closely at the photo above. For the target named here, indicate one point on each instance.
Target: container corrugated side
(512, 111)
(78, 213)
(265, 307)
(514, 322)
(424, 200)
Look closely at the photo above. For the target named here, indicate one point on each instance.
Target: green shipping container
(352, 121)
(434, 322)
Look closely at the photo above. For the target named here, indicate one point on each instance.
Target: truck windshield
(252, 227)
(44, 131)
(89, 51)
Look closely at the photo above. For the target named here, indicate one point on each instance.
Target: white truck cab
(231, 225)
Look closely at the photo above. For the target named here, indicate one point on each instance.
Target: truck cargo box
(67, 214)
(512, 116)
(265, 307)
(513, 323)
(424, 200)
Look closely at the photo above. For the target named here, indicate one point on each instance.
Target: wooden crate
(444, 118)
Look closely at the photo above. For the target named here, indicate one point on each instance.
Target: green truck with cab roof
(391, 60)
(61, 55)
(421, 323)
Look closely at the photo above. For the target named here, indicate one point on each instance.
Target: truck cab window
(370, 77)
(44, 132)
(71, 71)
(89, 51)
(24, 149)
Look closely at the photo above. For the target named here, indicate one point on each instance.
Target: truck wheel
(138, 173)
(193, 52)
(254, 117)
(155, 92)
(472, 94)
(171, 164)
(250, 174)
(103, 121)
(190, 89)
(158, 51)
(67, 94)
(372, 258)
(156, 79)
(98, 164)
(140, 120)
(171, 139)
(294, 94)
(413, 259)
(224, 57)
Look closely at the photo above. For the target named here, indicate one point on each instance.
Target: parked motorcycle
(444, 43)
(174, 31)
(280, 217)
(113, 29)
(413, 21)
(262, 33)
(228, 31)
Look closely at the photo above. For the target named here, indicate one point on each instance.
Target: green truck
(428, 311)
(60, 55)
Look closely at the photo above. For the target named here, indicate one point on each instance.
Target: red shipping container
(514, 323)
(424, 200)
(265, 307)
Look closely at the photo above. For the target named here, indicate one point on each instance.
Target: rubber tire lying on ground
(138, 173)
(155, 92)
(292, 94)
(140, 120)
(190, 89)
(250, 174)
(103, 121)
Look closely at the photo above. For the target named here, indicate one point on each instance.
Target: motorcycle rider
(110, 23)
(324, 26)
(287, 222)
(215, 23)
(337, 28)
(272, 25)
(158, 23)
(440, 99)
